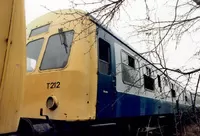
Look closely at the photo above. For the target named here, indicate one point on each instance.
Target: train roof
(56, 16)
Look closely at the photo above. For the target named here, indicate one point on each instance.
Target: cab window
(33, 49)
(39, 30)
(57, 51)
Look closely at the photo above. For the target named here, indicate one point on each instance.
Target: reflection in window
(33, 49)
(57, 51)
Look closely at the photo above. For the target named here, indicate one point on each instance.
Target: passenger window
(159, 81)
(57, 51)
(183, 95)
(104, 57)
(165, 81)
(173, 92)
(131, 62)
(148, 80)
(130, 70)
(148, 71)
(33, 49)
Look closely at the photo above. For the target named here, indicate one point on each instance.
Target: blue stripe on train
(128, 105)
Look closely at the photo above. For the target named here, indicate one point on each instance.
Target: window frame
(135, 68)
(55, 69)
(110, 57)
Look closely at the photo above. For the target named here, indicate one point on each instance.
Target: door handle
(114, 81)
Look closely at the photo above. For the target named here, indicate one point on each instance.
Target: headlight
(52, 103)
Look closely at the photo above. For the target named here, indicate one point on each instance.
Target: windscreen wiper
(63, 38)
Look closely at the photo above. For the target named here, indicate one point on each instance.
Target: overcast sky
(176, 58)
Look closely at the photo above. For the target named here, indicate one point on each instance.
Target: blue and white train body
(139, 89)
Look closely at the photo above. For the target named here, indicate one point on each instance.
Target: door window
(104, 57)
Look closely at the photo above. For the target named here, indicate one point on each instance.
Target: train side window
(104, 57)
(57, 52)
(148, 71)
(173, 92)
(159, 81)
(165, 81)
(148, 80)
(172, 86)
(186, 99)
(130, 70)
(131, 62)
(183, 96)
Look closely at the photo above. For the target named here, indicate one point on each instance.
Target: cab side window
(104, 57)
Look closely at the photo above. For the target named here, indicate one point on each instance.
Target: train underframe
(153, 125)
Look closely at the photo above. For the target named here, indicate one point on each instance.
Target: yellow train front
(61, 74)
(80, 74)
(61, 67)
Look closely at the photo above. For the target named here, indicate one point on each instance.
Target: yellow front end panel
(77, 88)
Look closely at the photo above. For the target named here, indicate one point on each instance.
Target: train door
(106, 79)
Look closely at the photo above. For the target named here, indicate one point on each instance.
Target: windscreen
(33, 49)
(57, 51)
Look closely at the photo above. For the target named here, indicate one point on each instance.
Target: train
(80, 72)
(80, 78)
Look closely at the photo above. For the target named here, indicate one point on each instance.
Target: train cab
(61, 75)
